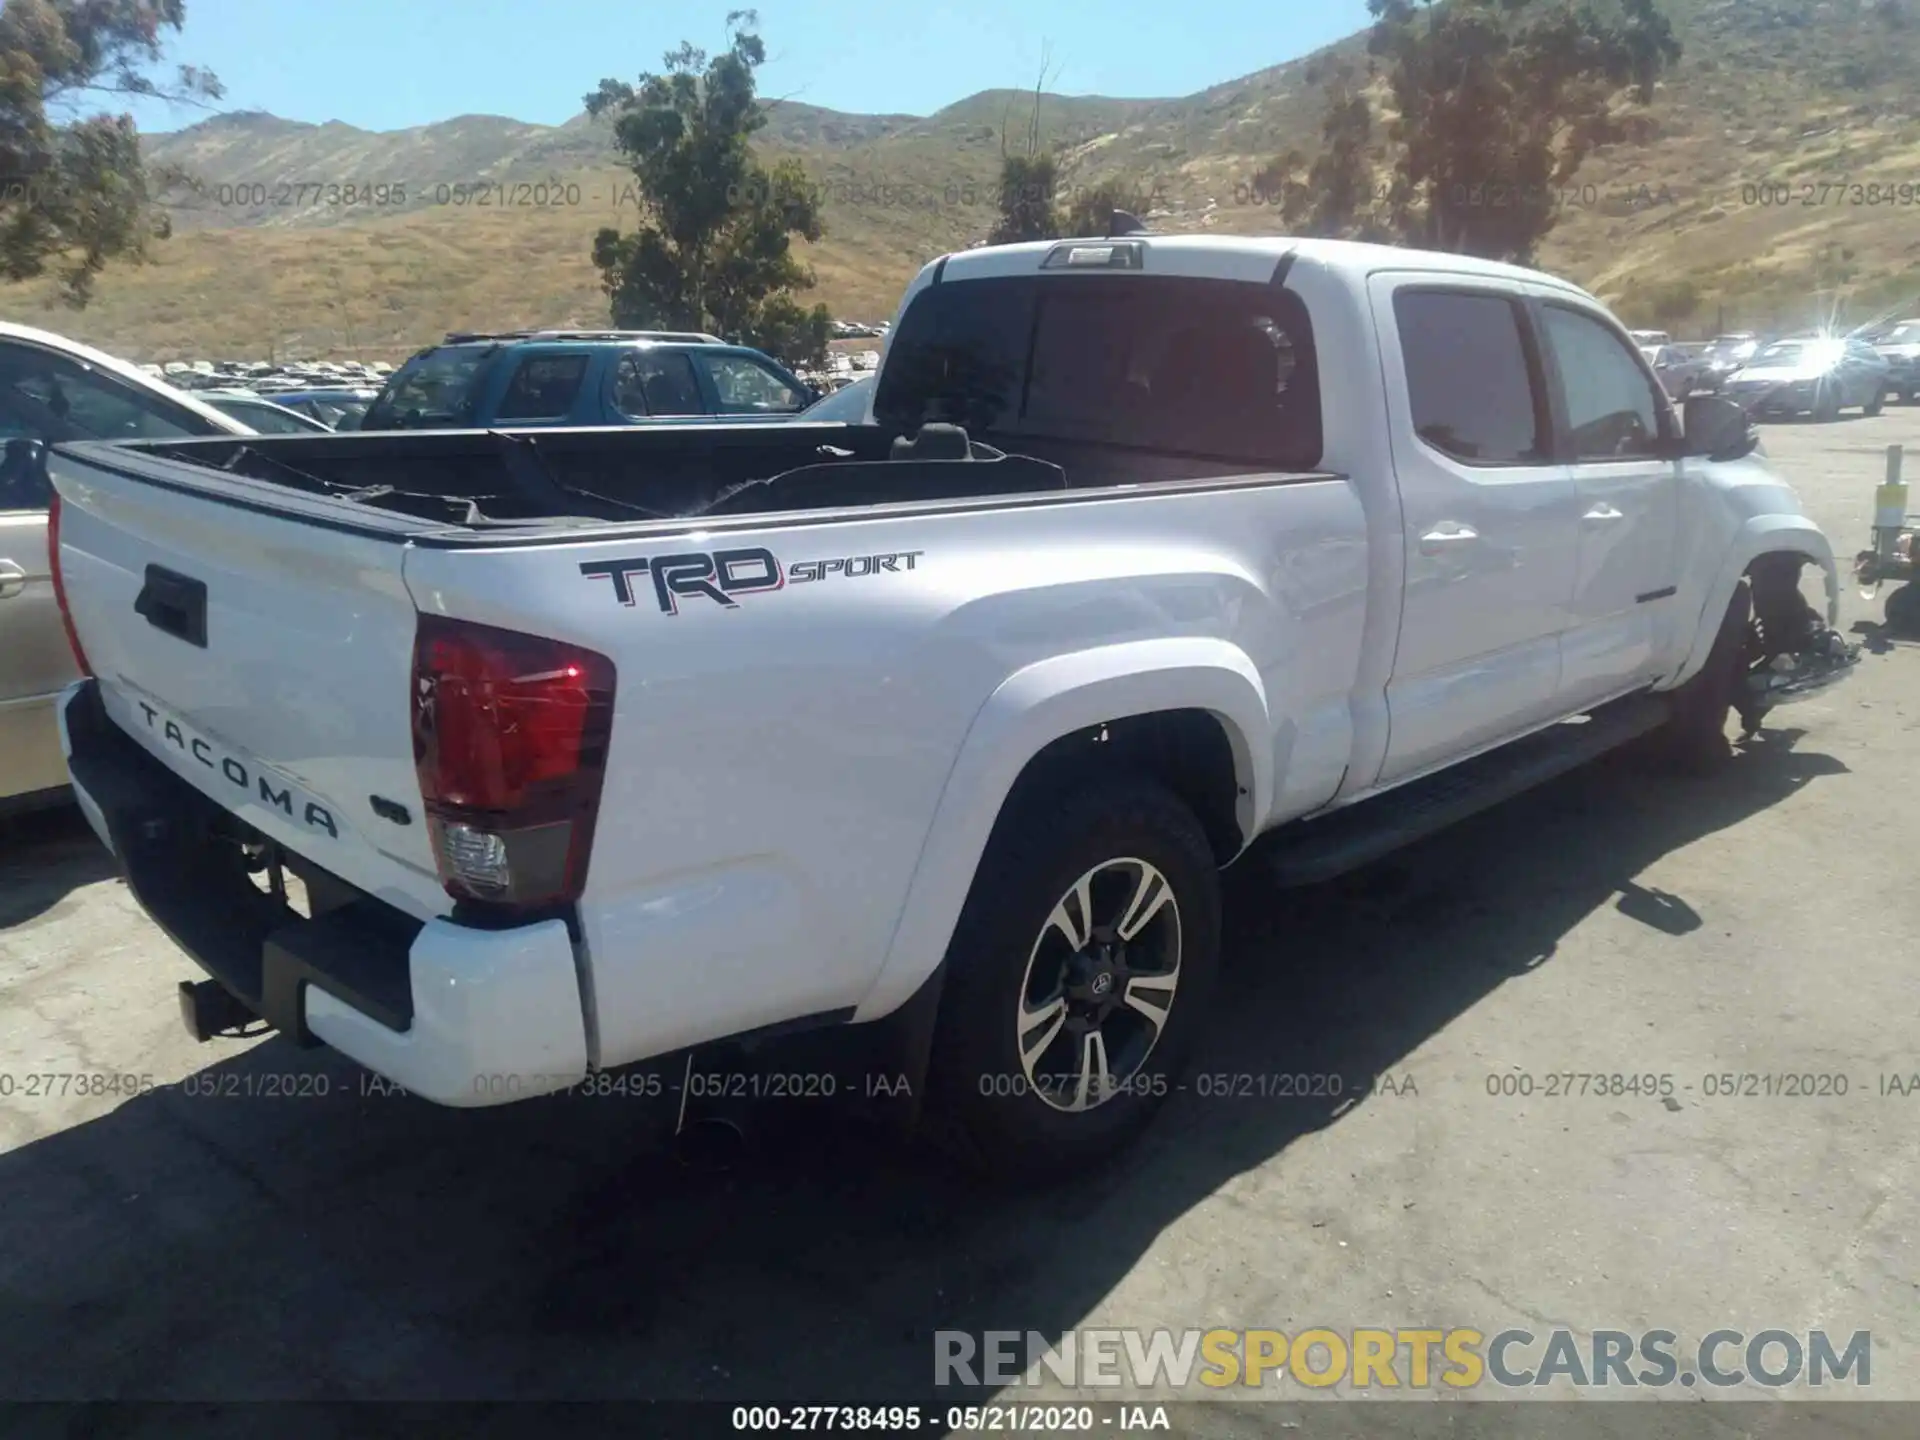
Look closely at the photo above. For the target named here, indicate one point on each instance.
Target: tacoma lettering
(314, 816)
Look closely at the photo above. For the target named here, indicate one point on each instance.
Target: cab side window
(1470, 378)
(1613, 410)
(650, 382)
(543, 388)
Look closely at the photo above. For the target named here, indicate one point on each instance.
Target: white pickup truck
(594, 747)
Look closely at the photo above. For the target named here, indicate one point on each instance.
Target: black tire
(1907, 397)
(1878, 403)
(1826, 408)
(985, 1101)
(1902, 609)
(1694, 740)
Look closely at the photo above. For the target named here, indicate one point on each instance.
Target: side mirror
(1718, 429)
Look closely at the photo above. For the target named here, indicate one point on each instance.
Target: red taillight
(510, 741)
(60, 588)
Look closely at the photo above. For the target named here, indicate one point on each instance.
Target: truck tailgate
(262, 653)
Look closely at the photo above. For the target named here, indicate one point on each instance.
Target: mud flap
(874, 1073)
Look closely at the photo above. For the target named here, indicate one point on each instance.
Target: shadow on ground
(358, 1245)
(45, 856)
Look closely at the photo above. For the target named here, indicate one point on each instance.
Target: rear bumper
(454, 1014)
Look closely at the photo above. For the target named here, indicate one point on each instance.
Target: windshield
(1800, 352)
(436, 389)
(848, 403)
(267, 418)
(342, 414)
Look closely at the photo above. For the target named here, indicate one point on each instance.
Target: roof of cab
(1256, 254)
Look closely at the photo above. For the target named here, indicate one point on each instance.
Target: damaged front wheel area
(1772, 648)
(1791, 653)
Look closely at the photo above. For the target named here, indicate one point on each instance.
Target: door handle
(1604, 511)
(12, 579)
(1446, 535)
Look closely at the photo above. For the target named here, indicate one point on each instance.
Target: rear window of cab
(1214, 369)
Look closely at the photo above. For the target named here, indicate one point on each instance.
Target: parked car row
(1899, 346)
(257, 412)
(1680, 369)
(1816, 375)
(1813, 373)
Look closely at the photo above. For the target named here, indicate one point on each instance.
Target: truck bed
(491, 478)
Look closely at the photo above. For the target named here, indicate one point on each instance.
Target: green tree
(1498, 103)
(1029, 182)
(1495, 106)
(1028, 187)
(1089, 211)
(714, 249)
(1029, 203)
(1332, 195)
(75, 193)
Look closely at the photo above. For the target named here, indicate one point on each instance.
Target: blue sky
(386, 64)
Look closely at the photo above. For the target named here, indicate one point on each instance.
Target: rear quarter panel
(778, 765)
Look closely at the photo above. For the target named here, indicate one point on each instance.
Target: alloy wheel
(1099, 985)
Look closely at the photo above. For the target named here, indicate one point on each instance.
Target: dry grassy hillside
(1741, 206)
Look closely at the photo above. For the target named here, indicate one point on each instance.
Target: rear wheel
(1875, 405)
(1078, 978)
(1827, 407)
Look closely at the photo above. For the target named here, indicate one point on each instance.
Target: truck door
(1488, 513)
(1614, 422)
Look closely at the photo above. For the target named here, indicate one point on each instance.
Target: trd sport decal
(724, 574)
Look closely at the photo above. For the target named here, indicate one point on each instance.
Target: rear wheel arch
(1189, 752)
(1187, 714)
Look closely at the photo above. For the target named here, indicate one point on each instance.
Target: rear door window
(656, 382)
(542, 387)
(1470, 380)
(1212, 369)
